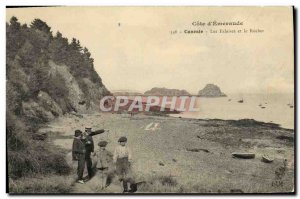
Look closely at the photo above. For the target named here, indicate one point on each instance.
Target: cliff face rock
(93, 94)
(44, 100)
(47, 75)
(34, 111)
(75, 94)
(167, 92)
(211, 90)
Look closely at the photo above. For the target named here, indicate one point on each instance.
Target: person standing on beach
(89, 145)
(104, 165)
(78, 154)
(123, 160)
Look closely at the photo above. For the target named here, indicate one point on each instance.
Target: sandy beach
(194, 155)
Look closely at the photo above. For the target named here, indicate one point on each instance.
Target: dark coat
(78, 148)
(90, 142)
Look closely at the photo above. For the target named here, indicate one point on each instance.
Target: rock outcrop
(211, 90)
(167, 92)
(47, 76)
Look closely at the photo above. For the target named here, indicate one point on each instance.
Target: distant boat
(229, 100)
(243, 155)
(259, 105)
(241, 101)
(262, 107)
(291, 106)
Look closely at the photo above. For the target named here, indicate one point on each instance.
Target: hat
(77, 133)
(122, 139)
(102, 143)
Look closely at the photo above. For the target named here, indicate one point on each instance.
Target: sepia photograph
(136, 100)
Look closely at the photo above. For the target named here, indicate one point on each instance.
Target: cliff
(166, 92)
(211, 90)
(46, 77)
(43, 69)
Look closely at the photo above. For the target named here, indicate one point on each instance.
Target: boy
(90, 148)
(78, 154)
(104, 164)
(122, 158)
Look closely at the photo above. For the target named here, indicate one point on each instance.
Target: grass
(168, 184)
(34, 166)
(41, 184)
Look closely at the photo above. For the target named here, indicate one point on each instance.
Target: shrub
(27, 156)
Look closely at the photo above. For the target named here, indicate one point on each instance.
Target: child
(104, 164)
(78, 154)
(122, 158)
(90, 148)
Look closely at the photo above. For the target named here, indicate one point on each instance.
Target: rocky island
(211, 90)
(167, 92)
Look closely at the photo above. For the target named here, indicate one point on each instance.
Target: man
(89, 146)
(78, 154)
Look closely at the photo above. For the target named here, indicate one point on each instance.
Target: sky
(134, 50)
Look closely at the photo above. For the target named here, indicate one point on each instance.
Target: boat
(259, 105)
(262, 107)
(291, 106)
(243, 155)
(229, 100)
(241, 101)
(266, 159)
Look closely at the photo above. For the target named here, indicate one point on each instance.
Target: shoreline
(193, 151)
(277, 125)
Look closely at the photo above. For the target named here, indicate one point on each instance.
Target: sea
(275, 108)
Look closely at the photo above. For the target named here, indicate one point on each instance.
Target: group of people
(102, 162)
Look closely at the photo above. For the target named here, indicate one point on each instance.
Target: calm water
(276, 109)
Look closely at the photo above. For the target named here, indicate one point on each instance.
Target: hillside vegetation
(47, 76)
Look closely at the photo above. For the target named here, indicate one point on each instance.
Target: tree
(14, 23)
(40, 25)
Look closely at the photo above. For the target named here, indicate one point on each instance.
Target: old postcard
(150, 100)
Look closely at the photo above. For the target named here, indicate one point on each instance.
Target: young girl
(123, 159)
